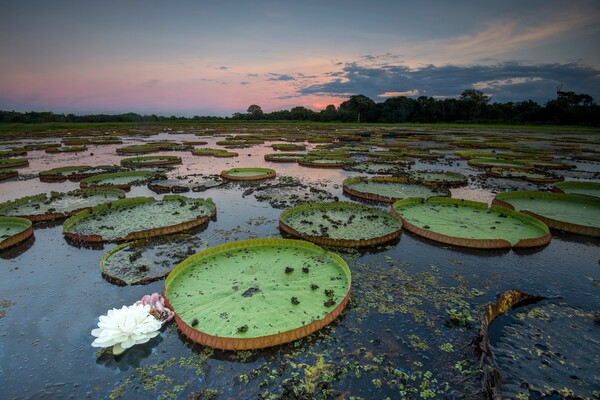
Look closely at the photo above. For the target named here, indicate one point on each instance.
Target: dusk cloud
(509, 81)
(280, 77)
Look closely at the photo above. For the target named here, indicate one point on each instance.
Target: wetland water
(394, 339)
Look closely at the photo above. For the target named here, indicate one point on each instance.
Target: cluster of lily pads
(224, 296)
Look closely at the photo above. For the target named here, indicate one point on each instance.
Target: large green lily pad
(527, 175)
(248, 174)
(58, 205)
(575, 187)
(435, 178)
(13, 162)
(121, 180)
(75, 172)
(196, 183)
(499, 163)
(257, 293)
(14, 230)
(340, 224)
(141, 162)
(470, 224)
(567, 212)
(284, 157)
(137, 218)
(388, 189)
(147, 260)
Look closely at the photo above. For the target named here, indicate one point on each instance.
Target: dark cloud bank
(505, 82)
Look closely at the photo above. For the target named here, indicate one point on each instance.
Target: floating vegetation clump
(58, 205)
(120, 180)
(13, 231)
(566, 212)
(470, 224)
(13, 163)
(576, 187)
(195, 183)
(138, 218)
(226, 296)
(248, 174)
(340, 224)
(530, 176)
(147, 260)
(75, 172)
(140, 162)
(389, 189)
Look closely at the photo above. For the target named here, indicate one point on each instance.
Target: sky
(207, 57)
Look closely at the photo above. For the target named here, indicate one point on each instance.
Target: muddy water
(394, 339)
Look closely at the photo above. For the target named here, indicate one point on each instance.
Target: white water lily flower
(126, 327)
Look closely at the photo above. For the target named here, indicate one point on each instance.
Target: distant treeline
(472, 106)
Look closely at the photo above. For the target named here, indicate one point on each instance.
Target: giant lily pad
(388, 189)
(567, 212)
(196, 183)
(340, 224)
(284, 157)
(434, 178)
(499, 163)
(147, 260)
(13, 162)
(121, 180)
(7, 174)
(575, 187)
(138, 218)
(470, 224)
(325, 161)
(257, 293)
(248, 174)
(141, 162)
(58, 205)
(14, 230)
(66, 149)
(527, 175)
(75, 172)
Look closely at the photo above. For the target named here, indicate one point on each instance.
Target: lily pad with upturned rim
(435, 178)
(257, 293)
(75, 172)
(14, 230)
(566, 212)
(120, 180)
(141, 162)
(248, 174)
(340, 224)
(138, 218)
(470, 224)
(196, 183)
(527, 175)
(13, 163)
(58, 205)
(578, 187)
(388, 189)
(284, 157)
